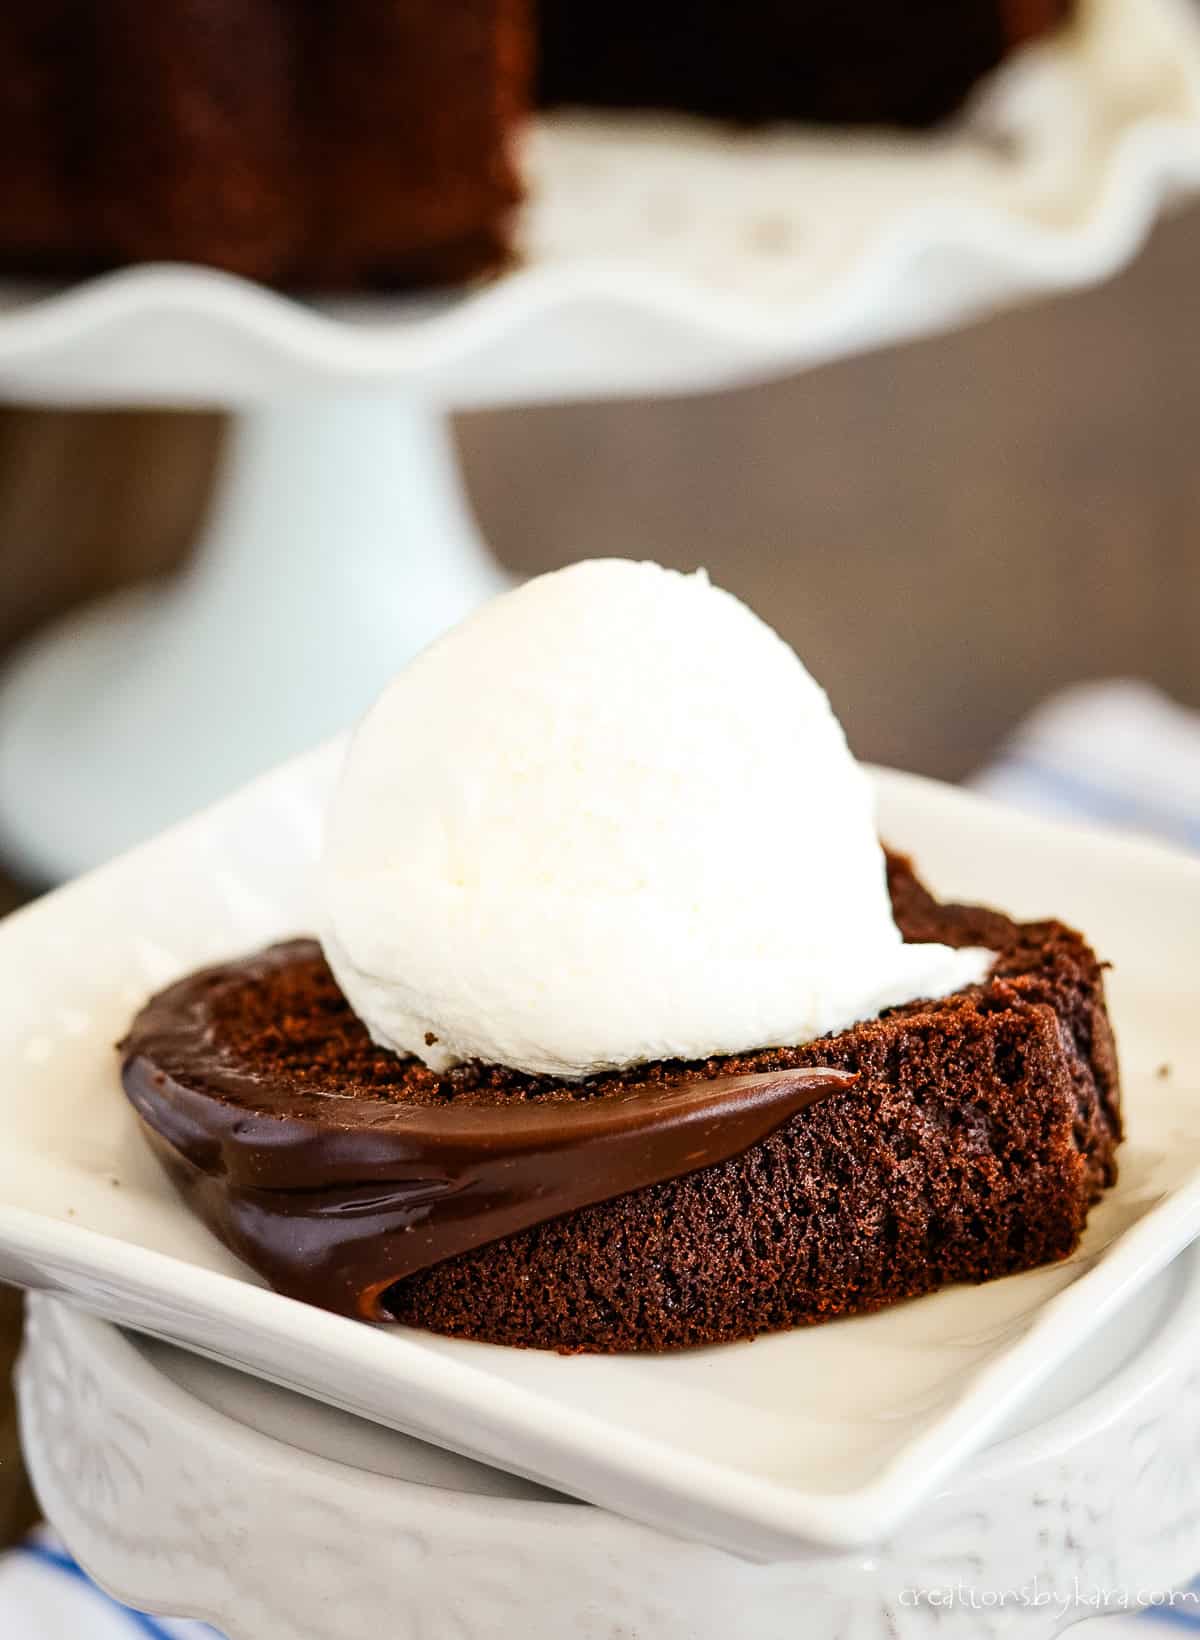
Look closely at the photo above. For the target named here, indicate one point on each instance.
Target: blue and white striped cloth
(1117, 753)
(44, 1595)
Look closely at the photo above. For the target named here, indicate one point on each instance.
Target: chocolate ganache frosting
(334, 1197)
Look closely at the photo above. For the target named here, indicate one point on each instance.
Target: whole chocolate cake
(968, 1141)
(371, 143)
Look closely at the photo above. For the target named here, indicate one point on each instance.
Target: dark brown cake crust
(980, 1131)
(839, 61)
(367, 143)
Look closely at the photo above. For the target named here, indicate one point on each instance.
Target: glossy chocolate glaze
(334, 1198)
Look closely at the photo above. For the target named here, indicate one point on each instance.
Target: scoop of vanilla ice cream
(611, 818)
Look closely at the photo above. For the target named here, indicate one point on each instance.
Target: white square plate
(822, 1436)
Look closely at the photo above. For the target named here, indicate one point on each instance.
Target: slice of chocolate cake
(967, 1141)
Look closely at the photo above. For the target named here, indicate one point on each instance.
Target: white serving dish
(826, 1436)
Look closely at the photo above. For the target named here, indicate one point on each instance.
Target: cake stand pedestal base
(339, 544)
(193, 1490)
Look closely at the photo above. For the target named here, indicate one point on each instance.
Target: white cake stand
(189, 1489)
(659, 257)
